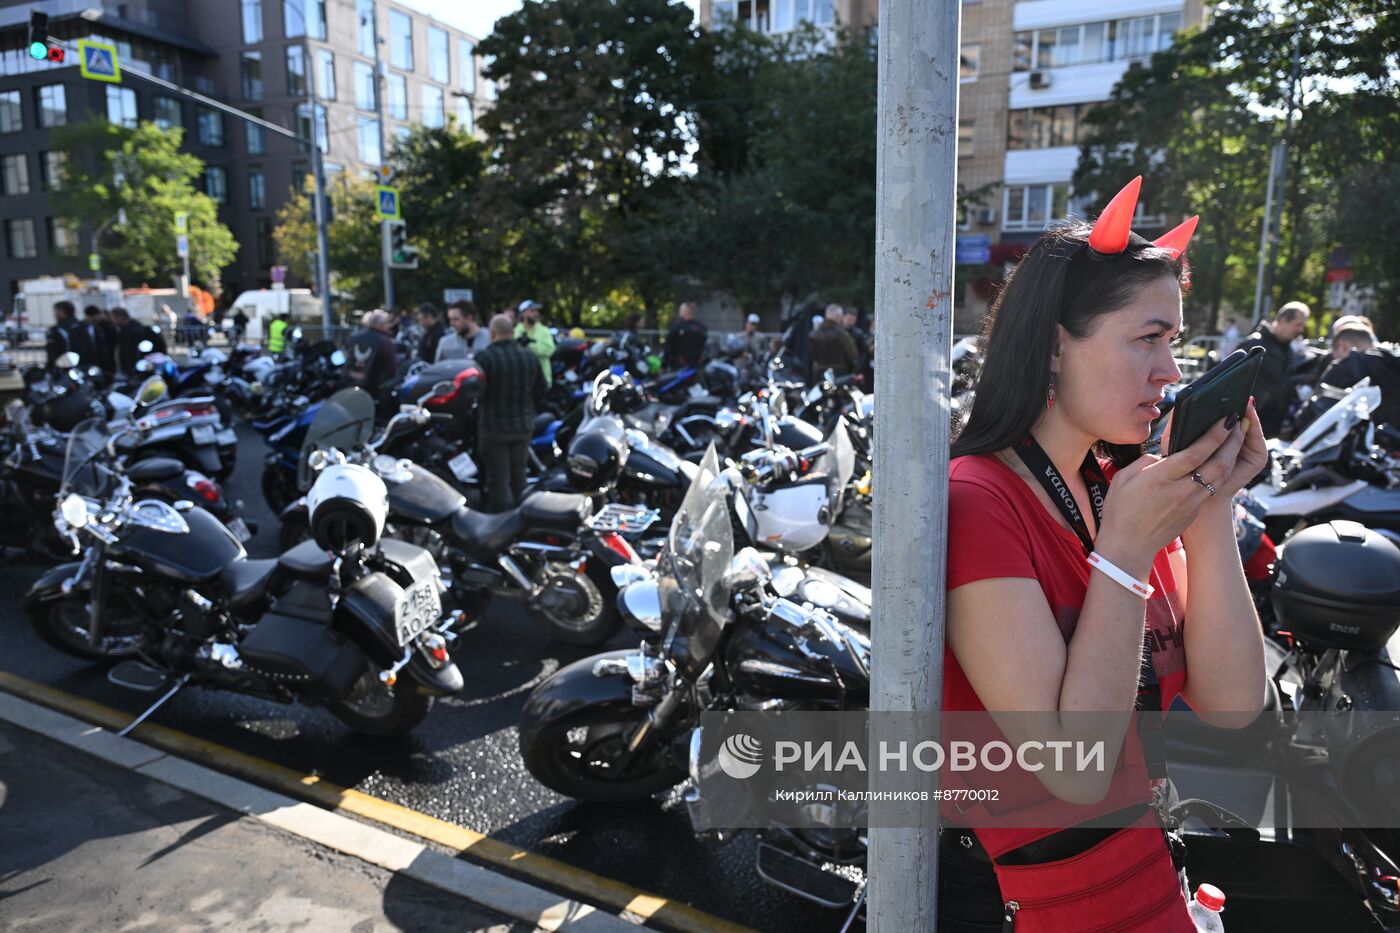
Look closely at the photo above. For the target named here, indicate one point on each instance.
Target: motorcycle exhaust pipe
(513, 571)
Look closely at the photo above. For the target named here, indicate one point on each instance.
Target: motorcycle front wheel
(63, 623)
(585, 757)
(374, 708)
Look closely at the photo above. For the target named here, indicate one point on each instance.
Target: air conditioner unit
(985, 215)
(1040, 79)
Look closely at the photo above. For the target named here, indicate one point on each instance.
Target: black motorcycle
(347, 621)
(551, 551)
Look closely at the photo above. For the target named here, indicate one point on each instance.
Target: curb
(163, 753)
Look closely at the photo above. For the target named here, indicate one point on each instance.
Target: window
(967, 135)
(364, 86)
(14, 174)
(211, 127)
(1089, 43)
(1033, 207)
(11, 114)
(364, 13)
(52, 164)
(432, 106)
(252, 21)
(466, 64)
(216, 183)
(293, 19)
(304, 126)
(401, 132)
(1041, 127)
(317, 26)
(398, 97)
(257, 142)
(400, 40)
(250, 75)
(296, 71)
(325, 75)
(62, 239)
(300, 181)
(19, 237)
(969, 62)
(53, 105)
(121, 106)
(263, 226)
(464, 115)
(168, 113)
(369, 140)
(439, 59)
(257, 188)
(772, 15)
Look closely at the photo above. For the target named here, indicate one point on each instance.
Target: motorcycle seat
(486, 534)
(154, 470)
(307, 561)
(245, 583)
(542, 423)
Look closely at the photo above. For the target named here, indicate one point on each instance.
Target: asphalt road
(461, 765)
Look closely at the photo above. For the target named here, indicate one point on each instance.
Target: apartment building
(266, 57)
(1029, 73)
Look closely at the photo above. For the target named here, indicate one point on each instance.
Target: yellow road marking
(578, 882)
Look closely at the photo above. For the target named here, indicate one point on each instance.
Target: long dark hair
(1058, 282)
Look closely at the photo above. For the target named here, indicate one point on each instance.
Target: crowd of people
(105, 340)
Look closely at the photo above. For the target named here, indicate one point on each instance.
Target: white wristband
(1120, 576)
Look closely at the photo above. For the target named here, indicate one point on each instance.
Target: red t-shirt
(997, 527)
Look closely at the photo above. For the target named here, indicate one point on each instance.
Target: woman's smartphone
(1222, 391)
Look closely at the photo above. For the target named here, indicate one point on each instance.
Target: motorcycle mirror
(439, 389)
(67, 360)
(296, 333)
(747, 570)
(338, 358)
(74, 511)
(145, 346)
(624, 575)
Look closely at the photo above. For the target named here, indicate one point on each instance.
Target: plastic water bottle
(1205, 909)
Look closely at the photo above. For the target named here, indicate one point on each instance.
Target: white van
(263, 305)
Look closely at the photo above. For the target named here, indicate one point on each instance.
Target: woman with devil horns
(1074, 561)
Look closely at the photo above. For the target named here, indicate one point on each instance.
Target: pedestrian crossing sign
(387, 202)
(98, 61)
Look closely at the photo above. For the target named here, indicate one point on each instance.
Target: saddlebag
(304, 656)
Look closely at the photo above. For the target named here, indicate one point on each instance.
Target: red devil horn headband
(1113, 228)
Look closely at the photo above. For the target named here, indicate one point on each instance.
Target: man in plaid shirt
(514, 391)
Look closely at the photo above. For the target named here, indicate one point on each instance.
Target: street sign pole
(388, 267)
(916, 194)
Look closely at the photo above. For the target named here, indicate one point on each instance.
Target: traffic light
(401, 255)
(40, 46)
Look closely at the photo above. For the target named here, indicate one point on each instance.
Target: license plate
(227, 437)
(202, 434)
(240, 530)
(418, 609)
(463, 467)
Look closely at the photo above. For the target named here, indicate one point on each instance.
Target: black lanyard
(1149, 693)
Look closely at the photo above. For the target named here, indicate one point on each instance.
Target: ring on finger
(1200, 481)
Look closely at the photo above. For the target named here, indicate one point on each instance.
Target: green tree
(588, 133)
(353, 237)
(143, 172)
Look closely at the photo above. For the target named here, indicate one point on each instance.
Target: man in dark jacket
(430, 319)
(832, 347)
(514, 391)
(100, 337)
(371, 357)
(128, 337)
(1357, 357)
(685, 342)
(1272, 390)
(65, 335)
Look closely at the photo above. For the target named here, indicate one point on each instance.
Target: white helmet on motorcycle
(346, 504)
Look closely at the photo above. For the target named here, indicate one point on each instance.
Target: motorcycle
(551, 551)
(349, 621)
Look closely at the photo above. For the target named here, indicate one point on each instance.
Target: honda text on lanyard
(1149, 694)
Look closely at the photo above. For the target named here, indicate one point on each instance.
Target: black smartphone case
(1223, 390)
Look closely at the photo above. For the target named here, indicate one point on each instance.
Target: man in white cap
(536, 336)
(755, 345)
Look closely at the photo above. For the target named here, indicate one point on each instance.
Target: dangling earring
(1050, 397)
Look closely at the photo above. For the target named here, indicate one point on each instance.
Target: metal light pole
(379, 83)
(1278, 174)
(323, 271)
(916, 197)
